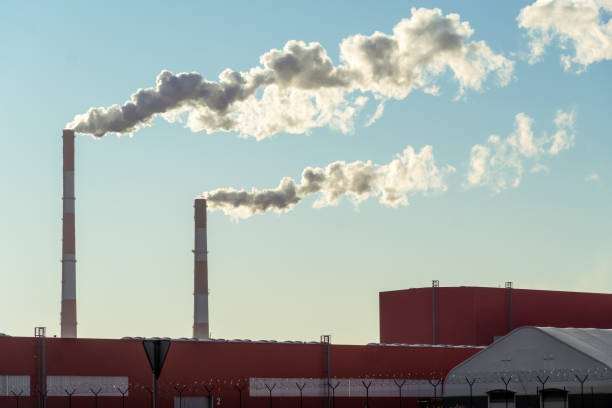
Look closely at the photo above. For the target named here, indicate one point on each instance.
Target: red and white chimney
(68, 315)
(200, 273)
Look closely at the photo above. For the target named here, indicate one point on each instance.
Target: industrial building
(439, 346)
(228, 370)
(477, 315)
(571, 365)
(546, 366)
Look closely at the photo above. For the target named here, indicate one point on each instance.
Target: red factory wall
(223, 364)
(472, 315)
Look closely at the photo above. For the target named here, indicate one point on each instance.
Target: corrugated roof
(560, 355)
(451, 346)
(595, 343)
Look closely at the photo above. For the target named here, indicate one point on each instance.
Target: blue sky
(308, 271)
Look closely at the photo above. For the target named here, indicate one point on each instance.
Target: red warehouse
(54, 373)
(476, 316)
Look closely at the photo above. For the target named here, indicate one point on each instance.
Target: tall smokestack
(68, 317)
(200, 273)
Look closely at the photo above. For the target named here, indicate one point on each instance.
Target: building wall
(222, 365)
(562, 309)
(406, 314)
(472, 315)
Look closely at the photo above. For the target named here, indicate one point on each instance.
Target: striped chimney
(68, 316)
(200, 273)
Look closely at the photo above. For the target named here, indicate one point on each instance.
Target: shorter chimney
(68, 315)
(200, 273)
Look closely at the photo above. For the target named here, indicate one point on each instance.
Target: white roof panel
(595, 343)
(530, 354)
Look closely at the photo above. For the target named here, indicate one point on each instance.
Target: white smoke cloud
(380, 109)
(299, 88)
(592, 178)
(500, 162)
(409, 172)
(578, 23)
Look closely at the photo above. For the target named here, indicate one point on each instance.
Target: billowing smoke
(409, 172)
(581, 26)
(501, 162)
(301, 88)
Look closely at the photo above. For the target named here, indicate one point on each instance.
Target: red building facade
(197, 367)
(263, 374)
(475, 315)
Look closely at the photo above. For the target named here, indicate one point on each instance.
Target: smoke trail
(301, 88)
(583, 30)
(501, 162)
(408, 172)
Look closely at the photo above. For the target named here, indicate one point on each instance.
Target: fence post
(122, 392)
(270, 391)
(70, 393)
(95, 393)
(180, 389)
(17, 396)
(471, 384)
(506, 385)
(301, 388)
(240, 392)
(435, 384)
(543, 382)
(399, 385)
(209, 390)
(367, 387)
(582, 381)
(333, 388)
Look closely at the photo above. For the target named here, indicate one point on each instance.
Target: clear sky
(308, 271)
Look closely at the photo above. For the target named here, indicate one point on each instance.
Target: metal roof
(451, 346)
(528, 355)
(595, 343)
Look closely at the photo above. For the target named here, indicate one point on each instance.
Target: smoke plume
(501, 162)
(300, 88)
(408, 172)
(583, 30)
